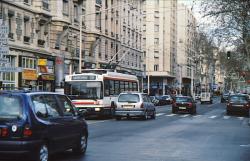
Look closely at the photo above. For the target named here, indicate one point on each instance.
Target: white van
(206, 97)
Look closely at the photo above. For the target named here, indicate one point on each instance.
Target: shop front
(29, 79)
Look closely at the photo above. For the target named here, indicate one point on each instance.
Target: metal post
(180, 79)
(80, 52)
(192, 81)
(148, 84)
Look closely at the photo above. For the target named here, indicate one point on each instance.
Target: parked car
(224, 97)
(134, 104)
(184, 104)
(36, 124)
(197, 96)
(154, 100)
(238, 103)
(167, 99)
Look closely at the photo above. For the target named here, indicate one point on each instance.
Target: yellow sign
(29, 74)
(48, 77)
(42, 62)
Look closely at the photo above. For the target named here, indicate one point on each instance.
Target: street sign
(11, 69)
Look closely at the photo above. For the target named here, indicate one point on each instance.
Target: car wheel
(145, 116)
(42, 153)
(201, 102)
(81, 145)
(229, 112)
(153, 115)
(118, 118)
(211, 102)
(173, 110)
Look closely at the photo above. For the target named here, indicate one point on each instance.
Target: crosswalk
(219, 116)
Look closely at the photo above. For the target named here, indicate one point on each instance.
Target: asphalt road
(210, 135)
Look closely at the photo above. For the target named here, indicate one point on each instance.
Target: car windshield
(132, 98)
(10, 107)
(183, 99)
(84, 90)
(238, 99)
(165, 97)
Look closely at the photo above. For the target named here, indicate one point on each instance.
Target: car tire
(42, 153)
(82, 144)
(118, 118)
(201, 102)
(145, 116)
(211, 102)
(229, 112)
(153, 115)
(174, 110)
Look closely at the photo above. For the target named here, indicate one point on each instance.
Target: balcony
(106, 31)
(98, 2)
(41, 42)
(26, 39)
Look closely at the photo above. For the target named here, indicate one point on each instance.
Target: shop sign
(47, 77)
(11, 69)
(42, 62)
(29, 74)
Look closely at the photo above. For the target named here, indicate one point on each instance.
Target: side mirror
(82, 113)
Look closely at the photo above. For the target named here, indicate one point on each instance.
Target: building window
(98, 17)
(9, 77)
(65, 7)
(29, 63)
(76, 15)
(156, 28)
(45, 4)
(27, 2)
(156, 67)
(106, 4)
(156, 42)
(26, 29)
(10, 23)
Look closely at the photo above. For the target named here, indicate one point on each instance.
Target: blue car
(36, 124)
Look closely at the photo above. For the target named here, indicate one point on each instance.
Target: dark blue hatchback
(36, 124)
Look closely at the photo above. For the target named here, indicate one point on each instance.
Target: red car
(185, 104)
(238, 103)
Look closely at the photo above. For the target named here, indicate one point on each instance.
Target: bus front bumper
(96, 111)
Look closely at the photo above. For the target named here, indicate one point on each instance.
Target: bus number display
(84, 77)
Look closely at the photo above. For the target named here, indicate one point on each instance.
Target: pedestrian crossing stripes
(212, 117)
(160, 114)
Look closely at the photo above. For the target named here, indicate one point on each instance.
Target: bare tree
(232, 18)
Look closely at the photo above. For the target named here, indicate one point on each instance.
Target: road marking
(226, 117)
(95, 122)
(186, 115)
(212, 117)
(171, 114)
(246, 145)
(197, 116)
(240, 118)
(160, 114)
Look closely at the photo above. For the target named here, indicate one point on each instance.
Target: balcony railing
(40, 42)
(26, 39)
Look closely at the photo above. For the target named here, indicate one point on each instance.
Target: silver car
(134, 104)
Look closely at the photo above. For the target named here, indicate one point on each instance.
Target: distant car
(224, 97)
(36, 124)
(134, 104)
(184, 104)
(154, 100)
(167, 99)
(238, 103)
(197, 97)
(206, 97)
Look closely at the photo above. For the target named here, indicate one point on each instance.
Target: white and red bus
(97, 89)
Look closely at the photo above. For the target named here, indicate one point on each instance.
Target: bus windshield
(84, 90)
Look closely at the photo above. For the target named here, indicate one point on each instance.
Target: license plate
(97, 109)
(127, 106)
(182, 108)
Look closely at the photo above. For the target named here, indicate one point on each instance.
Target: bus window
(111, 87)
(106, 87)
(117, 88)
(122, 86)
(126, 86)
(130, 86)
(135, 88)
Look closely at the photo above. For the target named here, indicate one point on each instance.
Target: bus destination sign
(84, 77)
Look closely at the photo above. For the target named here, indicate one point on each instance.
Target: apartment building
(29, 25)
(160, 45)
(187, 57)
(44, 39)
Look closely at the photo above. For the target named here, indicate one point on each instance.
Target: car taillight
(229, 104)
(190, 104)
(4, 132)
(247, 105)
(142, 105)
(174, 104)
(27, 132)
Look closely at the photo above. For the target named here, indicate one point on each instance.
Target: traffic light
(228, 55)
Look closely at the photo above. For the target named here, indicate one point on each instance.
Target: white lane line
(160, 114)
(240, 118)
(247, 145)
(186, 115)
(226, 117)
(95, 122)
(171, 114)
(197, 116)
(212, 117)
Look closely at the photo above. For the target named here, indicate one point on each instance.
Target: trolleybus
(97, 90)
